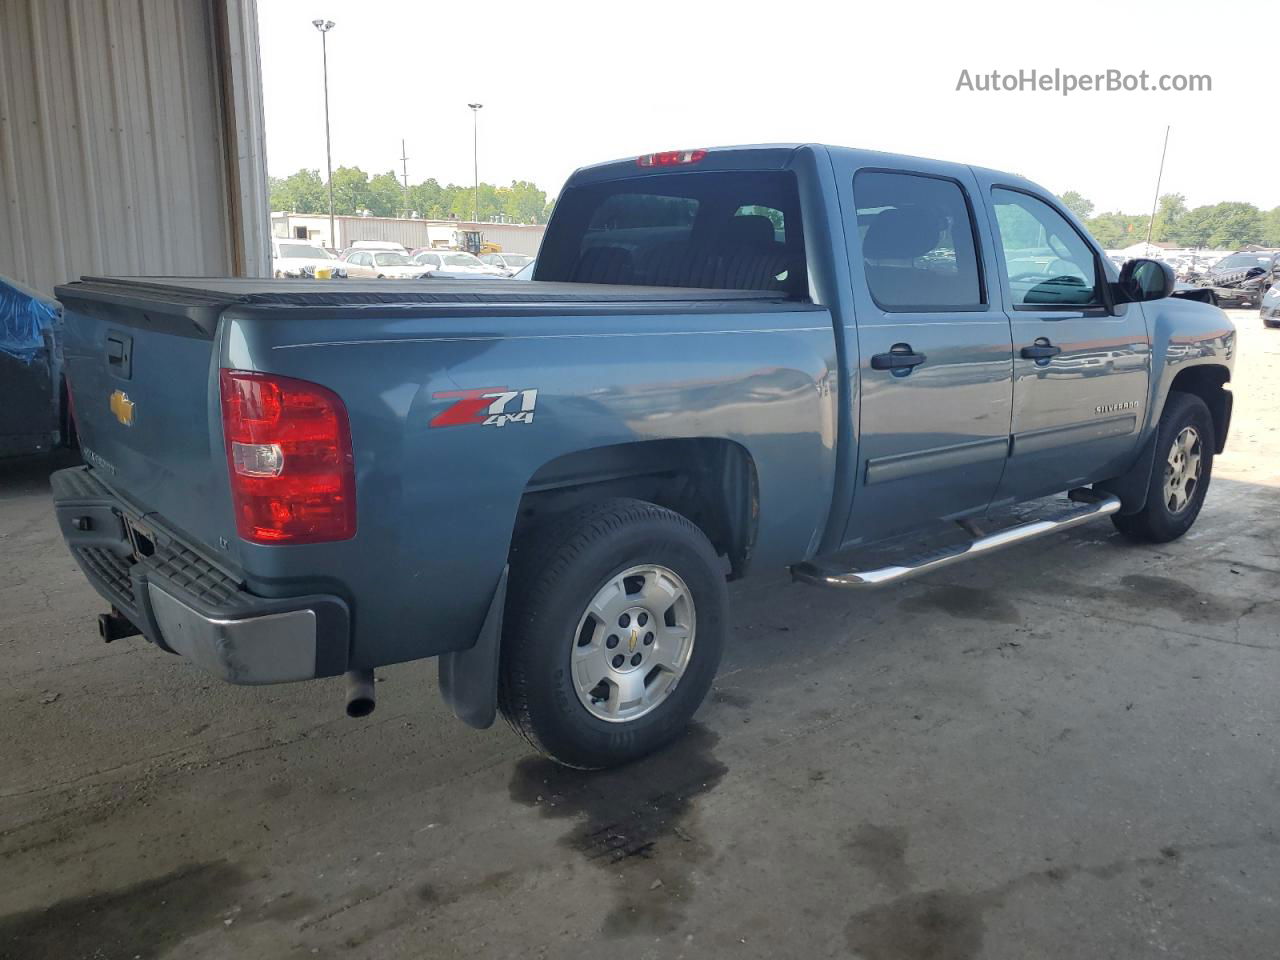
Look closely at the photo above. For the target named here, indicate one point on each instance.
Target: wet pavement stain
(141, 921)
(636, 823)
(967, 603)
(1164, 593)
(937, 925)
(948, 924)
(731, 698)
(883, 851)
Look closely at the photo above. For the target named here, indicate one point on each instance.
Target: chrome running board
(1091, 506)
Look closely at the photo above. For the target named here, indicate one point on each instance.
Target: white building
(446, 234)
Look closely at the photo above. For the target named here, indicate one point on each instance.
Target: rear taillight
(670, 158)
(289, 455)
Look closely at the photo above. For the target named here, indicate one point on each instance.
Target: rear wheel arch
(711, 481)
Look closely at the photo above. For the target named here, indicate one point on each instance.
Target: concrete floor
(1066, 750)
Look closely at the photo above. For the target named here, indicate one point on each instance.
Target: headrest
(749, 230)
(901, 233)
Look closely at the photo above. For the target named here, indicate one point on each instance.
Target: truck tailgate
(145, 404)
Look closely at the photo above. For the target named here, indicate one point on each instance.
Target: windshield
(1239, 260)
(461, 260)
(391, 259)
(303, 251)
(516, 259)
(428, 258)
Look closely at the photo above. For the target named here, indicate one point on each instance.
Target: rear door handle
(899, 357)
(1042, 349)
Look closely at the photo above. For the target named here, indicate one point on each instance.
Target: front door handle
(899, 357)
(1042, 349)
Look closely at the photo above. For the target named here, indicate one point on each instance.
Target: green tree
(386, 195)
(350, 191)
(427, 200)
(1077, 204)
(1271, 227)
(302, 192)
(1227, 224)
(1115, 230)
(1170, 210)
(523, 202)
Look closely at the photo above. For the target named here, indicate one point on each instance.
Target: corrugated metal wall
(128, 139)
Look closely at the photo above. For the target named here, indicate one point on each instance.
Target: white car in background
(301, 258)
(508, 263)
(383, 264)
(378, 245)
(456, 263)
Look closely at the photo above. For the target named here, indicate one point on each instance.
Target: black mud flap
(1133, 485)
(469, 678)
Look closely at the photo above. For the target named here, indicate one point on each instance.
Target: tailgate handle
(120, 355)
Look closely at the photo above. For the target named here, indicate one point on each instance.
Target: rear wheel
(613, 631)
(1180, 475)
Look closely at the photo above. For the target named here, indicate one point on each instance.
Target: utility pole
(404, 166)
(324, 26)
(475, 152)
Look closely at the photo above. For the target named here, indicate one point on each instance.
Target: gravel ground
(1065, 750)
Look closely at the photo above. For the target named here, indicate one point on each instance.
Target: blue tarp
(24, 317)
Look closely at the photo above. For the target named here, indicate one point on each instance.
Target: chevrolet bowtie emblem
(631, 644)
(122, 407)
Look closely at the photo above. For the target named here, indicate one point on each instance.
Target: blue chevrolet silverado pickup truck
(728, 361)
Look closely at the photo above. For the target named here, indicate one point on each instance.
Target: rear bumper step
(182, 602)
(1089, 506)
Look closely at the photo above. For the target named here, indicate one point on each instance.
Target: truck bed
(202, 299)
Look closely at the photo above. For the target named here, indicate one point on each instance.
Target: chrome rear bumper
(273, 648)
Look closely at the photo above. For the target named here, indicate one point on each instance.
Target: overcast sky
(567, 83)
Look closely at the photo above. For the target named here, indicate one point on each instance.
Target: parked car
(298, 258)
(509, 263)
(455, 263)
(383, 264)
(729, 361)
(1271, 307)
(378, 245)
(1242, 279)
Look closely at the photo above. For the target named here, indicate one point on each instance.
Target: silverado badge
(122, 407)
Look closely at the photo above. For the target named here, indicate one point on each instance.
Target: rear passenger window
(1047, 263)
(917, 236)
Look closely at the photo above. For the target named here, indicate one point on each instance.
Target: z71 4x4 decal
(486, 407)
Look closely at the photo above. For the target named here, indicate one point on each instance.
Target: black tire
(556, 571)
(1157, 522)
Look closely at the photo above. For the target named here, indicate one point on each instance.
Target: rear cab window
(734, 230)
(918, 248)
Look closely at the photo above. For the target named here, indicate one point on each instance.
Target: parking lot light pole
(324, 26)
(475, 151)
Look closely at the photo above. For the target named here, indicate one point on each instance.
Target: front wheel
(1180, 475)
(613, 631)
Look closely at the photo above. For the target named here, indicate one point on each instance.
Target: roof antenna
(1156, 200)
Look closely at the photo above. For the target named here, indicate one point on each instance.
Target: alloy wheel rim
(1182, 470)
(633, 643)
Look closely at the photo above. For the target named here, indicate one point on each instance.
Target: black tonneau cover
(201, 300)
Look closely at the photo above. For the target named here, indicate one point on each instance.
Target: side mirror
(1142, 280)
